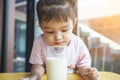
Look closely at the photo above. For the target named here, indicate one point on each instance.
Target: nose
(58, 37)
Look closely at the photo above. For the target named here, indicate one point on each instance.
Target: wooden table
(102, 76)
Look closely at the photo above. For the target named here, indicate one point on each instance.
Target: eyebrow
(46, 27)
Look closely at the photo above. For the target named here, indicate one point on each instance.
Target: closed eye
(49, 32)
(65, 30)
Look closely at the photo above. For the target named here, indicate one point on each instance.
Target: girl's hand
(31, 78)
(90, 73)
(27, 78)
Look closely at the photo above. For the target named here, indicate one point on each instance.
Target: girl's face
(57, 33)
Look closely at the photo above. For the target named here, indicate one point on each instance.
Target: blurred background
(98, 26)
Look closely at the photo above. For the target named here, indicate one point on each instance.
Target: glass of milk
(56, 63)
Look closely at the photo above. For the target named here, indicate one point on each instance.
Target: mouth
(60, 43)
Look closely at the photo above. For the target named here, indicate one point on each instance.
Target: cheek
(68, 36)
(48, 38)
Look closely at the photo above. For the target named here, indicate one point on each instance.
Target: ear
(75, 21)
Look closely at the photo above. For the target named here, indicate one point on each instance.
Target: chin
(59, 45)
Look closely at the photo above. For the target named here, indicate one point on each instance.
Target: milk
(56, 68)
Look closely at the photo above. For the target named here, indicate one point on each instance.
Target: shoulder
(39, 37)
(77, 40)
(78, 43)
(39, 40)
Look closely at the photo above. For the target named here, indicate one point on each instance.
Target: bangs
(56, 13)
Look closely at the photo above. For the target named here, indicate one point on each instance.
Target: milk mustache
(56, 63)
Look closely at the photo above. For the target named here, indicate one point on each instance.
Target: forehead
(53, 23)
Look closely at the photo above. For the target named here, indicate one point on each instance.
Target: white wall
(89, 9)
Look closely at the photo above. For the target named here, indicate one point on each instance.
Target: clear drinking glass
(56, 63)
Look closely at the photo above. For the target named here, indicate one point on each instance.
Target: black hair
(57, 10)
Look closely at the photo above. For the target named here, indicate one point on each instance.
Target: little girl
(57, 19)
